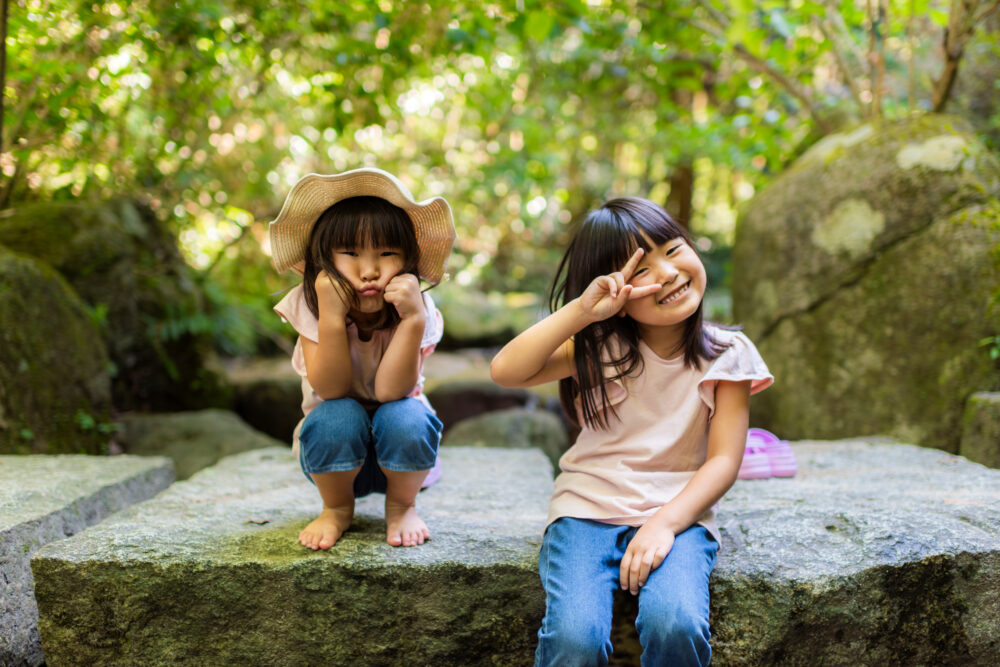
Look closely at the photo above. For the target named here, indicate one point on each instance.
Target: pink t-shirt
(365, 355)
(624, 474)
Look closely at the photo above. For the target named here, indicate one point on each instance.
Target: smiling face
(369, 269)
(677, 268)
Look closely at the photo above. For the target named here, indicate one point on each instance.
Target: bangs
(621, 226)
(370, 222)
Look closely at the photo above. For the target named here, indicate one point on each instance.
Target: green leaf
(539, 26)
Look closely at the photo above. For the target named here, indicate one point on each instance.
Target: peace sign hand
(608, 294)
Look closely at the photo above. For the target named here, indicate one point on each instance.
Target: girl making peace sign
(662, 398)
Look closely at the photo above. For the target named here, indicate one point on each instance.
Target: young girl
(365, 328)
(662, 401)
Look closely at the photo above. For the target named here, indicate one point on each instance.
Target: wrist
(664, 519)
(414, 320)
(580, 316)
(332, 321)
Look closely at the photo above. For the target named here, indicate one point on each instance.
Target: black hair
(358, 222)
(602, 244)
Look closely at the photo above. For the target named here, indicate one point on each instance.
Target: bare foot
(326, 529)
(403, 527)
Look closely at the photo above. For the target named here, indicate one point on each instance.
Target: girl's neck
(667, 342)
(367, 323)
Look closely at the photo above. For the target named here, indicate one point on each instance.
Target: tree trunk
(679, 201)
(3, 65)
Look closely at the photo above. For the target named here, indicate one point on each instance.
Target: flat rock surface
(874, 554)
(48, 498)
(211, 570)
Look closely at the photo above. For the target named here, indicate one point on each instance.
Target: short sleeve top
(624, 474)
(365, 354)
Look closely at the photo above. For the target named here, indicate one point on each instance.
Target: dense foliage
(523, 113)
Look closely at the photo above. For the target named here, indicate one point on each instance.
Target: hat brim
(314, 193)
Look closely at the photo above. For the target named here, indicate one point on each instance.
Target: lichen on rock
(850, 228)
(943, 153)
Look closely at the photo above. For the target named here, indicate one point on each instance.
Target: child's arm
(544, 352)
(399, 369)
(727, 435)
(328, 361)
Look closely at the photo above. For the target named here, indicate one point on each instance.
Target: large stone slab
(210, 572)
(47, 498)
(876, 553)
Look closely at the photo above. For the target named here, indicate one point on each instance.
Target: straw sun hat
(314, 193)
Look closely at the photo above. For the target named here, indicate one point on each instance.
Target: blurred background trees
(522, 113)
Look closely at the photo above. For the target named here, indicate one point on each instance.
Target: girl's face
(677, 268)
(369, 269)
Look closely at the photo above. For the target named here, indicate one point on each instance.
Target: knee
(339, 420)
(576, 642)
(682, 633)
(406, 434)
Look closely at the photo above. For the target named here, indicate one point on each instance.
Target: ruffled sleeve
(740, 362)
(294, 310)
(434, 325)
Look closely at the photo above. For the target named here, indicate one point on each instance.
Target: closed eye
(674, 249)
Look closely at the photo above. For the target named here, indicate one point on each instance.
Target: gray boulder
(55, 389)
(48, 498)
(210, 572)
(876, 553)
(865, 275)
(516, 427)
(981, 429)
(192, 440)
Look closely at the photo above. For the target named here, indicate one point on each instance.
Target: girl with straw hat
(361, 242)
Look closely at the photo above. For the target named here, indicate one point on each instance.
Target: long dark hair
(358, 222)
(601, 245)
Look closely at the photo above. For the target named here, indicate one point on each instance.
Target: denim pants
(340, 435)
(579, 566)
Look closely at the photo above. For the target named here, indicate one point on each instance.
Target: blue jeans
(341, 435)
(579, 563)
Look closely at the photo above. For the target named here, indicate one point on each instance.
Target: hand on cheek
(403, 292)
(333, 301)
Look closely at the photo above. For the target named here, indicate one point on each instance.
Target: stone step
(44, 499)
(875, 553)
(210, 572)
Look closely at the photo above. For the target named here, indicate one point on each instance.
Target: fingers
(645, 290)
(632, 262)
(609, 284)
(638, 564)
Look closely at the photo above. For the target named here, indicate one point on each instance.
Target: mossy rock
(462, 399)
(476, 319)
(55, 390)
(868, 275)
(193, 440)
(981, 429)
(516, 428)
(125, 264)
